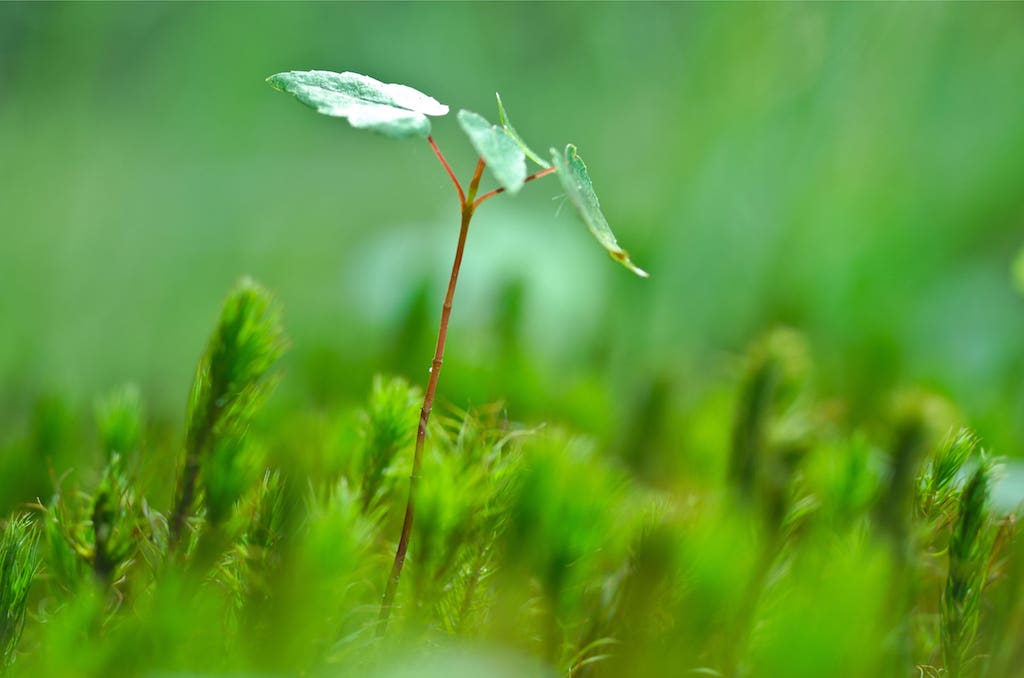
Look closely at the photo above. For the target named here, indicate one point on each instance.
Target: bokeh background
(855, 172)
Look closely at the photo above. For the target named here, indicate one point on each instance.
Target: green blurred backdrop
(853, 171)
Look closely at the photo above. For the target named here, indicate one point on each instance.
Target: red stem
(448, 169)
(536, 175)
(468, 206)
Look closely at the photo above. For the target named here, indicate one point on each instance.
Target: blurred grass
(852, 171)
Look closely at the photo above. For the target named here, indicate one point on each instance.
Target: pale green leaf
(507, 124)
(501, 153)
(396, 111)
(573, 174)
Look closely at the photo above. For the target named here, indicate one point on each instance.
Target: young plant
(230, 384)
(969, 555)
(100, 530)
(937, 485)
(767, 430)
(401, 112)
(119, 419)
(19, 562)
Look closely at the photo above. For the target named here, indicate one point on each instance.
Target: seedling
(401, 112)
(19, 562)
(969, 556)
(231, 381)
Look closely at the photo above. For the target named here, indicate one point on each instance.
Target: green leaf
(573, 174)
(511, 131)
(396, 111)
(501, 153)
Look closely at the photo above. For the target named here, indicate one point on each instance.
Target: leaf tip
(622, 256)
(501, 111)
(275, 81)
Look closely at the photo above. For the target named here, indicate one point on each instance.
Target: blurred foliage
(851, 171)
(754, 463)
(831, 550)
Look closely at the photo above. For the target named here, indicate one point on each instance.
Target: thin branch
(536, 175)
(448, 169)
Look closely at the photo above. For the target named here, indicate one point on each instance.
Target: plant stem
(536, 175)
(428, 397)
(186, 490)
(102, 565)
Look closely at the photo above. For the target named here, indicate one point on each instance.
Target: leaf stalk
(448, 169)
(501, 189)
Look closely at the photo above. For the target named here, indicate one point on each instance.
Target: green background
(853, 171)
